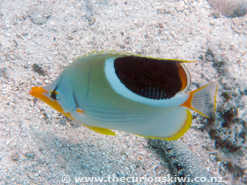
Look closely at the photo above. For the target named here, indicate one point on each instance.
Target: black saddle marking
(151, 78)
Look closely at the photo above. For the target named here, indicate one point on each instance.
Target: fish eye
(54, 95)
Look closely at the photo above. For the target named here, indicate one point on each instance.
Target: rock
(229, 116)
(61, 161)
(63, 121)
(31, 175)
(209, 55)
(36, 68)
(15, 156)
(30, 155)
(240, 25)
(230, 8)
(3, 72)
(181, 160)
(39, 14)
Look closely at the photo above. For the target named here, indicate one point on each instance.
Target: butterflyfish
(142, 95)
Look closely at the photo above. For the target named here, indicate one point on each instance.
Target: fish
(142, 95)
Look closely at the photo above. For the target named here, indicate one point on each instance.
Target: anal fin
(104, 131)
(180, 133)
(184, 129)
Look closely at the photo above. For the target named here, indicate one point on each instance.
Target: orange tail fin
(203, 100)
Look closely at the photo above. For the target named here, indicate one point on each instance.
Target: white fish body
(96, 92)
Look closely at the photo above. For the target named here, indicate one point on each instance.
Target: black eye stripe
(54, 95)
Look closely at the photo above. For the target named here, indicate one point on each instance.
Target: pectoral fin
(104, 131)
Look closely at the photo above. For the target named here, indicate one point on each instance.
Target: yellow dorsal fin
(185, 61)
(114, 52)
(104, 131)
(178, 60)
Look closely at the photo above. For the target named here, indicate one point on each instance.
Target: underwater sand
(39, 39)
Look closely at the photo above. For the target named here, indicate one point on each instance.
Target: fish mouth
(44, 95)
(37, 92)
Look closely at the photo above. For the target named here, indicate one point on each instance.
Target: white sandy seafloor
(38, 39)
